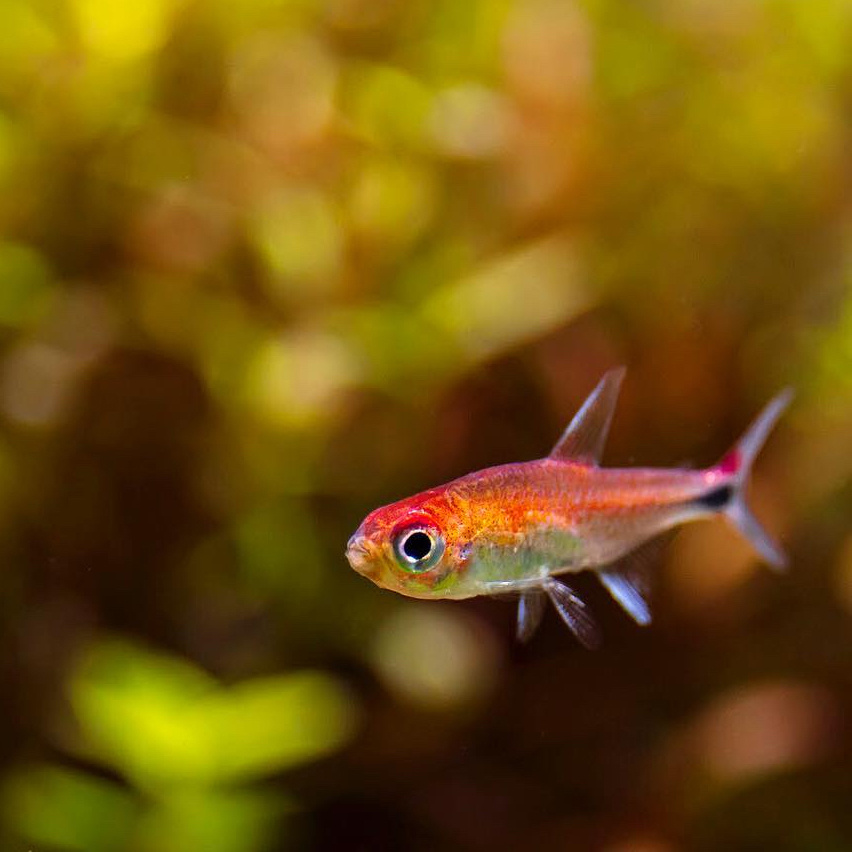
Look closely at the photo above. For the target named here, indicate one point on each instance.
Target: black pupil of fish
(417, 546)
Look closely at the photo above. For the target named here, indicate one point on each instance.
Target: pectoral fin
(573, 612)
(584, 439)
(530, 611)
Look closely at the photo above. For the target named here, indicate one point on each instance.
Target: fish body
(514, 528)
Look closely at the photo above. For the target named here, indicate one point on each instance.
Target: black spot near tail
(716, 499)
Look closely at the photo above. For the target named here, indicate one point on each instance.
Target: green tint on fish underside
(497, 566)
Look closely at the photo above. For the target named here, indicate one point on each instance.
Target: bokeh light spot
(436, 657)
(470, 122)
(389, 106)
(298, 380)
(36, 383)
(392, 202)
(764, 728)
(123, 31)
(26, 288)
(514, 297)
(298, 234)
(707, 561)
(282, 88)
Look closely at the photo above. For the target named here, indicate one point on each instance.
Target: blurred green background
(267, 265)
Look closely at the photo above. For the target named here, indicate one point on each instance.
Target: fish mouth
(358, 554)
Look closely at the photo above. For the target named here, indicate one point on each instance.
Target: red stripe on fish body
(608, 510)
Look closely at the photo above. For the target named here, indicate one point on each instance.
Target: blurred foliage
(266, 265)
(179, 739)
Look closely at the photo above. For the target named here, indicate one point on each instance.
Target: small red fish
(515, 527)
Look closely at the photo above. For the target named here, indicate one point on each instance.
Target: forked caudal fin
(735, 467)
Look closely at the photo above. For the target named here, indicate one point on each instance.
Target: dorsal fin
(584, 439)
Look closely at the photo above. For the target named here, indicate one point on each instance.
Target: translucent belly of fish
(494, 565)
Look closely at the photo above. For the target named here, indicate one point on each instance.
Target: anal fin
(624, 591)
(628, 579)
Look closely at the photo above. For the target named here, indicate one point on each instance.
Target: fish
(520, 528)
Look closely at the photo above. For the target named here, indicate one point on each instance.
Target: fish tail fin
(736, 465)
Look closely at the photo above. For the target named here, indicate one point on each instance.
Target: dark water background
(267, 265)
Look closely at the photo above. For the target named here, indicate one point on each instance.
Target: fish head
(412, 547)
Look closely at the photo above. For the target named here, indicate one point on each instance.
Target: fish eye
(417, 545)
(418, 549)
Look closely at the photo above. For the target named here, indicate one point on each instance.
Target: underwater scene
(297, 298)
